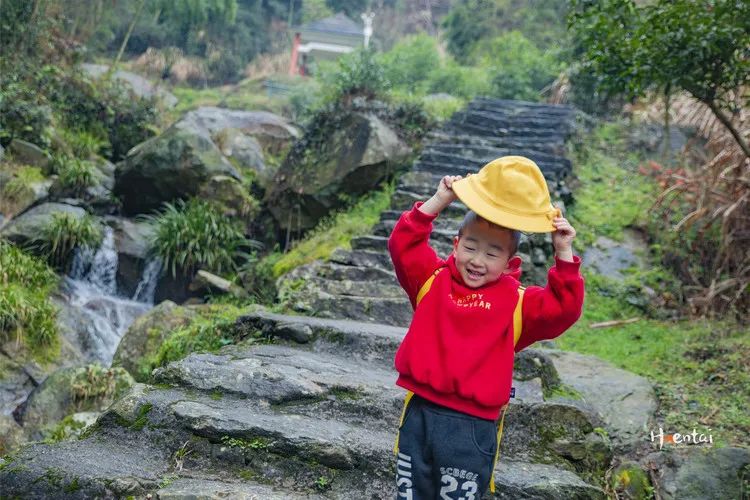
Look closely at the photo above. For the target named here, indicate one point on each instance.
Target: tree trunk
(667, 154)
(728, 124)
(113, 68)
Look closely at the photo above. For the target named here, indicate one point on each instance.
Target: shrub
(84, 144)
(359, 74)
(65, 233)
(519, 70)
(25, 310)
(22, 116)
(409, 63)
(459, 81)
(76, 175)
(194, 234)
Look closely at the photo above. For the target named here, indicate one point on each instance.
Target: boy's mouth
(474, 275)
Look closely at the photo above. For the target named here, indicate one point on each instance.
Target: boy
(457, 356)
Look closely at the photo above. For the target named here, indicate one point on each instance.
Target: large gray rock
(172, 166)
(350, 160)
(701, 473)
(27, 153)
(70, 390)
(28, 226)
(138, 84)
(245, 151)
(146, 334)
(625, 401)
(132, 245)
(273, 132)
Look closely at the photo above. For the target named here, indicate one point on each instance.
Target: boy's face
(482, 253)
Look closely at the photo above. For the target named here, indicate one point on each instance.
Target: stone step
(362, 258)
(479, 128)
(274, 386)
(512, 106)
(334, 271)
(210, 489)
(520, 144)
(389, 289)
(439, 236)
(516, 480)
(540, 126)
(445, 164)
(404, 200)
(489, 153)
(387, 311)
(379, 243)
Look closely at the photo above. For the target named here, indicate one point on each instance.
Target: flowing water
(95, 312)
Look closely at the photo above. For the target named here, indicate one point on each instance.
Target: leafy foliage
(686, 44)
(76, 175)
(518, 69)
(22, 116)
(359, 74)
(96, 383)
(194, 234)
(409, 63)
(64, 233)
(25, 310)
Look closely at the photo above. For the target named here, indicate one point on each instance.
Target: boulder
(205, 281)
(132, 245)
(19, 200)
(27, 153)
(230, 196)
(245, 152)
(26, 227)
(147, 333)
(138, 84)
(172, 166)
(273, 132)
(354, 157)
(69, 390)
(700, 473)
(11, 434)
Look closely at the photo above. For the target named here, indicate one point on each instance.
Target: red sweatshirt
(458, 351)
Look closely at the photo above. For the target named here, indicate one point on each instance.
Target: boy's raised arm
(414, 260)
(549, 311)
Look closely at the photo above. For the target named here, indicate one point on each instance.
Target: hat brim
(526, 223)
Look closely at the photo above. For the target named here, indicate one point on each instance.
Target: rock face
(27, 227)
(139, 85)
(273, 132)
(69, 390)
(360, 283)
(357, 155)
(298, 420)
(27, 153)
(171, 166)
(699, 473)
(147, 333)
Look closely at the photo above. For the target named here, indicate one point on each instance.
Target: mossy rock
(146, 335)
(630, 481)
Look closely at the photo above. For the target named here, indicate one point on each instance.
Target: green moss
(562, 391)
(212, 329)
(256, 443)
(65, 429)
(140, 421)
(216, 395)
(334, 231)
(72, 486)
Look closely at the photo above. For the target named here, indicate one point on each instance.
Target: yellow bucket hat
(510, 192)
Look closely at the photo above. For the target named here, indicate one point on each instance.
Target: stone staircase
(360, 283)
(316, 419)
(312, 411)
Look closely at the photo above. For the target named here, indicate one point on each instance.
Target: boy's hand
(562, 238)
(443, 197)
(445, 189)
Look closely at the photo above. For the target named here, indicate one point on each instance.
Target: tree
(188, 14)
(694, 45)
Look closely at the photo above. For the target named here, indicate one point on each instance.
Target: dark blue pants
(444, 454)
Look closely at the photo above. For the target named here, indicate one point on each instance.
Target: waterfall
(95, 312)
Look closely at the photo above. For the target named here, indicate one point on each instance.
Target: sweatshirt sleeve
(413, 258)
(549, 311)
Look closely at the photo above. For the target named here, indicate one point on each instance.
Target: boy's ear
(513, 265)
(455, 243)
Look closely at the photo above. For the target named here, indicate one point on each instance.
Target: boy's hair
(471, 217)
